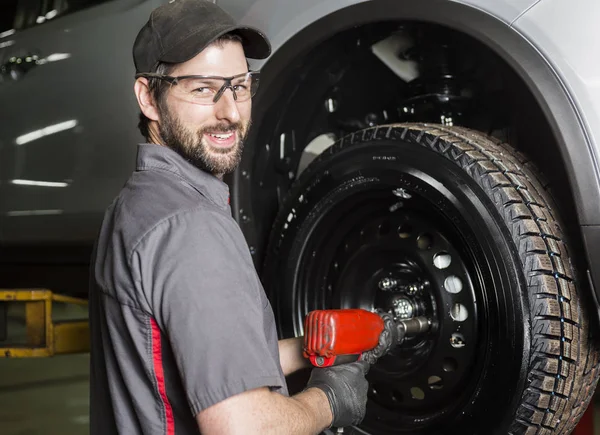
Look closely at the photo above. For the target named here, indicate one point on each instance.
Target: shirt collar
(153, 156)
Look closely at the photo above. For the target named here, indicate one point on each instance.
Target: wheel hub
(403, 309)
(397, 296)
(399, 292)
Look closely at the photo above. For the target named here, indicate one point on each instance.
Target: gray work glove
(388, 338)
(346, 388)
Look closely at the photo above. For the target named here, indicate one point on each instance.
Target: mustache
(221, 128)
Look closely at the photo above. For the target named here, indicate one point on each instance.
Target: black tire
(532, 367)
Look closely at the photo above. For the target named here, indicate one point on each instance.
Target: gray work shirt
(178, 317)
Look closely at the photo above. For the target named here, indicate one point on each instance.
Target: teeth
(222, 136)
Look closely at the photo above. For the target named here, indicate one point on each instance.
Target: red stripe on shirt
(160, 377)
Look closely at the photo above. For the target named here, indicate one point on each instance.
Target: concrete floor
(46, 396)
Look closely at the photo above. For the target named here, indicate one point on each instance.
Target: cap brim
(255, 43)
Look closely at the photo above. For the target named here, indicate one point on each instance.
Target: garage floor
(44, 396)
(49, 396)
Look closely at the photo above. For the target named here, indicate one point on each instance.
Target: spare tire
(443, 222)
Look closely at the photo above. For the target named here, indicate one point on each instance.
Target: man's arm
(334, 397)
(263, 412)
(290, 355)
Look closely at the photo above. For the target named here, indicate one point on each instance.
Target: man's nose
(226, 107)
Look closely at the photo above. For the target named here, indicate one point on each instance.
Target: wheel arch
(536, 72)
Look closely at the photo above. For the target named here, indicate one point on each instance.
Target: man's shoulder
(150, 199)
(158, 193)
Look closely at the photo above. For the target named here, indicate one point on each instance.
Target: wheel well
(341, 86)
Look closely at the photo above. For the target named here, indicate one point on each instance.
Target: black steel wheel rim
(358, 243)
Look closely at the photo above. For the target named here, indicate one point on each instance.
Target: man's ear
(145, 99)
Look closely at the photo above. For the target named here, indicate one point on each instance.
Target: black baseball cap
(179, 30)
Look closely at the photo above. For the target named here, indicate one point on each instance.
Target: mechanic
(183, 337)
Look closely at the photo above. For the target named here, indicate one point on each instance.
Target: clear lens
(203, 90)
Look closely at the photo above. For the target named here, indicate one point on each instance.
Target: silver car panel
(566, 34)
(282, 19)
(68, 125)
(507, 10)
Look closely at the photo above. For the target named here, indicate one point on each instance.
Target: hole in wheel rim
(450, 365)
(442, 260)
(425, 241)
(457, 340)
(453, 284)
(417, 394)
(404, 231)
(435, 382)
(459, 313)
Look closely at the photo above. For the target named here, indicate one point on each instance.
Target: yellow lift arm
(45, 337)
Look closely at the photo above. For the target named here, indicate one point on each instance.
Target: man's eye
(240, 87)
(201, 90)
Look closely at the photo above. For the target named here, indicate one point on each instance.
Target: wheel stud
(413, 289)
(388, 284)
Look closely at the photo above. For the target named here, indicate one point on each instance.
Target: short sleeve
(206, 299)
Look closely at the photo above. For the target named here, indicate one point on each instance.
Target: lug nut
(401, 193)
(413, 289)
(388, 284)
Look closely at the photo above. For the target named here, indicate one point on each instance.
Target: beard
(193, 146)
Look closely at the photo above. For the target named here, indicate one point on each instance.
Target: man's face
(209, 136)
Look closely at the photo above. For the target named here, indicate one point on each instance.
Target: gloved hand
(346, 388)
(387, 339)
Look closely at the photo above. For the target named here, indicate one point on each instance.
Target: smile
(221, 136)
(222, 140)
